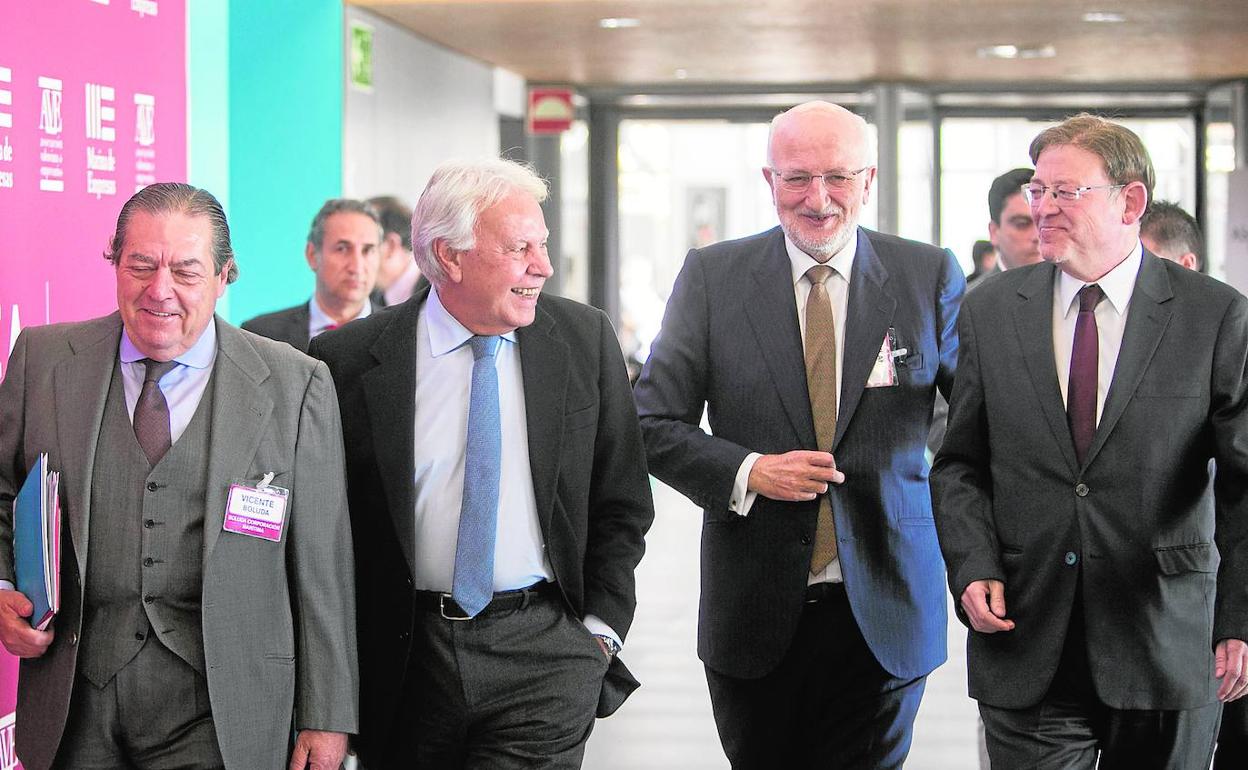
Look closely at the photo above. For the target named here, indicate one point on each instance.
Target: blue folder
(37, 542)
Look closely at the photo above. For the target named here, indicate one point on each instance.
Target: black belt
(823, 591)
(503, 601)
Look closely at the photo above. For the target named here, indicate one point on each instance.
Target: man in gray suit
(1099, 564)
(342, 251)
(193, 632)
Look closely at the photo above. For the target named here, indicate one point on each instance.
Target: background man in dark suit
(180, 642)
(342, 250)
(816, 349)
(1171, 233)
(496, 589)
(1101, 568)
(398, 276)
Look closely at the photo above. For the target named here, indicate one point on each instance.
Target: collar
(446, 333)
(1117, 283)
(842, 261)
(198, 356)
(319, 319)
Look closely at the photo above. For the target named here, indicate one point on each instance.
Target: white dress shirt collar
(199, 356)
(842, 261)
(1118, 284)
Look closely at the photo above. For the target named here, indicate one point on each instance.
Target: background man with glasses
(816, 348)
(1100, 566)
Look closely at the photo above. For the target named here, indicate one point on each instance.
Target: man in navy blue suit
(816, 348)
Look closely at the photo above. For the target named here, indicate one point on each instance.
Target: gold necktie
(821, 382)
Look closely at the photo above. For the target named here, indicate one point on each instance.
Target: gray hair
(179, 198)
(316, 233)
(457, 193)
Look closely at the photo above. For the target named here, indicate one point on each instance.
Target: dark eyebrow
(136, 256)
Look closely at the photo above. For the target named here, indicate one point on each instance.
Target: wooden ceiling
(778, 42)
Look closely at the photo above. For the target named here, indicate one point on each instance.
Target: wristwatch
(613, 647)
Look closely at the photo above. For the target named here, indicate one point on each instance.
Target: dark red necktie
(1081, 389)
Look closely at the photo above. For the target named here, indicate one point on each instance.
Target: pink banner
(92, 107)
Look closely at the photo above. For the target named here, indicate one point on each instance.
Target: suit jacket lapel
(240, 415)
(298, 329)
(1146, 323)
(772, 313)
(80, 389)
(1033, 320)
(390, 397)
(544, 369)
(870, 310)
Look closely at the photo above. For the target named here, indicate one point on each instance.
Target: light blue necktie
(473, 584)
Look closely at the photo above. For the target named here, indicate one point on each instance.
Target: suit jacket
(731, 341)
(589, 480)
(1154, 545)
(277, 617)
(289, 326)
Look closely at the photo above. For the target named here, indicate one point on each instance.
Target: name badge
(256, 510)
(884, 373)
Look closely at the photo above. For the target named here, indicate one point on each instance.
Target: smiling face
(814, 139)
(493, 287)
(1089, 236)
(167, 284)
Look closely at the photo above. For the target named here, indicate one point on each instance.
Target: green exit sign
(361, 56)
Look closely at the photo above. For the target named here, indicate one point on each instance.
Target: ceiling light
(682, 74)
(1017, 52)
(1104, 17)
(619, 23)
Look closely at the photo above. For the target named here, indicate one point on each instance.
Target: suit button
(152, 486)
(149, 561)
(138, 636)
(403, 636)
(1071, 558)
(805, 540)
(149, 523)
(1081, 489)
(73, 639)
(149, 599)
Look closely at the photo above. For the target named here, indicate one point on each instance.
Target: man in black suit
(342, 251)
(398, 276)
(496, 589)
(816, 349)
(1100, 566)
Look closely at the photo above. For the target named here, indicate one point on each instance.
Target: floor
(668, 724)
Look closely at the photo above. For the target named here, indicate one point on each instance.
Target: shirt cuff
(6, 585)
(598, 628)
(742, 498)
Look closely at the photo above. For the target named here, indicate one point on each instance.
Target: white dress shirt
(443, 385)
(1111, 320)
(319, 321)
(838, 292)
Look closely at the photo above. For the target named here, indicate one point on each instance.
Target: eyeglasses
(1064, 192)
(796, 181)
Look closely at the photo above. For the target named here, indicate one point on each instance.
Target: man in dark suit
(183, 640)
(1100, 566)
(342, 251)
(816, 349)
(398, 276)
(498, 493)
(1171, 233)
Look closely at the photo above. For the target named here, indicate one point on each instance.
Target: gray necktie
(151, 412)
(821, 382)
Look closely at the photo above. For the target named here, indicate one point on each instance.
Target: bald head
(820, 167)
(821, 122)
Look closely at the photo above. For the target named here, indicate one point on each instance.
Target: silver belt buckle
(442, 600)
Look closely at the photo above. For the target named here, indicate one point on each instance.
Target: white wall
(428, 104)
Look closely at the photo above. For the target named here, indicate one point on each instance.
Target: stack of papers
(37, 542)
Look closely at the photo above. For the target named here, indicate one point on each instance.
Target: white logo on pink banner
(51, 147)
(6, 121)
(144, 7)
(8, 753)
(101, 162)
(144, 139)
